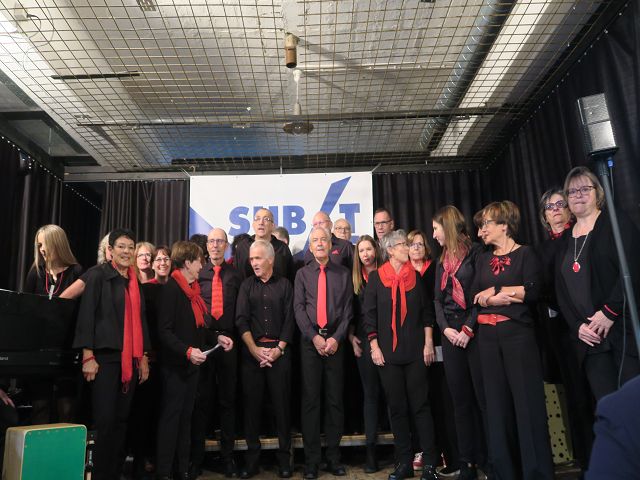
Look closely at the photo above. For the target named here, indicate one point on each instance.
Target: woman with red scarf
(112, 332)
(182, 322)
(506, 284)
(399, 328)
(454, 314)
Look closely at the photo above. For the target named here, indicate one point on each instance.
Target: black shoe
(402, 471)
(467, 472)
(230, 468)
(310, 472)
(249, 472)
(371, 464)
(429, 473)
(336, 469)
(284, 472)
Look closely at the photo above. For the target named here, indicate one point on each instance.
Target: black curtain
(32, 196)
(156, 211)
(413, 198)
(551, 142)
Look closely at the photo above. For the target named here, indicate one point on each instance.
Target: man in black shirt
(263, 227)
(264, 318)
(219, 284)
(322, 305)
(341, 251)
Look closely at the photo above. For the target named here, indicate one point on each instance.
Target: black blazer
(177, 330)
(100, 322)
(607, 292)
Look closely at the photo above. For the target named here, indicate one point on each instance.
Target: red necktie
(217, 307)
(322, 298)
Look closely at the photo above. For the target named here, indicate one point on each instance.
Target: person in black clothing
(439, 395)
(554, 334)
(589, 286)
(323, 309)
(453, 303)
(383, 223)
(54, 269)
(265, 322)
(263, 227)
(8, 418)
(112, 332)
(368, 259)
(341, 250)
(181, 332)
(507, 282)
(218, 375)
(399, 328)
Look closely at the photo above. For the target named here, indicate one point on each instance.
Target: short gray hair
(326, 231)
(390, 239)
(268, 248)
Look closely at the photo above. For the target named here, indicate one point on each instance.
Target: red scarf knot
(498, 264)
(405, 280)
(555, 236)
(451, 265)
(193, 294)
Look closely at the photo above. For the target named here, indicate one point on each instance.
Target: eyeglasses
(487, 222)
(216, 241)
(584, 190)
(416, 245)
(558, 204)
(262, 219)
(342, 229)
(400, 244)
(121, 246)
(144, 255)
(162, 259)
(381, 223)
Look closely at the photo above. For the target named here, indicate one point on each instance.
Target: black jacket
(607, 292)
(100, 323)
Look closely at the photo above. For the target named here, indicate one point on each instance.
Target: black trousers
(514, 389)
(145, 412)
(179, 385)
(322, 379)
(370, 379)
(254, 382)
(443, 414)
(603, 369)
(217, 381)
(110, 407)
(406, 388)
(463, 371)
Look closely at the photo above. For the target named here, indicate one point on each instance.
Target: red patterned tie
(217, 307)
(322, 298)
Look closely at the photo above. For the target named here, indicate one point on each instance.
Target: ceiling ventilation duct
(490, 20)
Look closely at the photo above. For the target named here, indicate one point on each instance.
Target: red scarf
(555, 236)
(405, 280)
(451, 264)
(132, 343)
(425, 265)
(193, 294)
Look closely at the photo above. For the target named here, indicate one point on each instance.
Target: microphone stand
(602, 162)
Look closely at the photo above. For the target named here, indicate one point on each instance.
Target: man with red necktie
(219, 285)
(322, 305)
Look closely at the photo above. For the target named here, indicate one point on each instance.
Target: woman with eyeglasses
(161, 265)
(506, 284)
(453, 301)
(589, 286)
(144, 254)
(368, 259)
(439, 395)
(553, 332)
(399, 326)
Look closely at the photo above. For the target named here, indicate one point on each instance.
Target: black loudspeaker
(596, 125)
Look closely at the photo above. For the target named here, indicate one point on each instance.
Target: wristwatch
(281, 349)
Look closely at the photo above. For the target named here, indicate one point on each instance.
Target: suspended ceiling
(157, 85)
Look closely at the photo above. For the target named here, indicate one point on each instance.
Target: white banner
(230, 202)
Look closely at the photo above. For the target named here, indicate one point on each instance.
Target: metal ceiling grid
(204, 83)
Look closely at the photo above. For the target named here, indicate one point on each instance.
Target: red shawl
(405, 280)
(193, 294)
